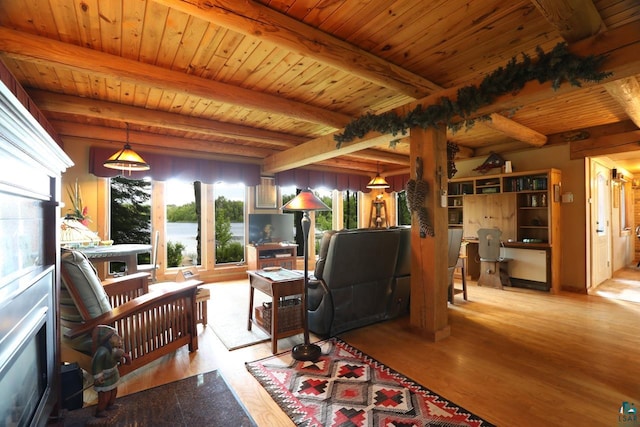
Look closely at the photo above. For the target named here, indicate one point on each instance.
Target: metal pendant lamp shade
(378, 182)
(127, 159)
(304, 202)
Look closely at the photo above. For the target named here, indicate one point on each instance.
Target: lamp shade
(127, 159)
(305, 201)
(378, 182)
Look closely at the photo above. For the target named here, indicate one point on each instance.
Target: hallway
(624, 285)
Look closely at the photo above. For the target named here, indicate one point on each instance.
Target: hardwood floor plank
(514, 357)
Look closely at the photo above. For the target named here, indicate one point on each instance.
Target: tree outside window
(229, 222)
(130, 215)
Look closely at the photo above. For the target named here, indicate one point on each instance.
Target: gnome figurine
(108, 355)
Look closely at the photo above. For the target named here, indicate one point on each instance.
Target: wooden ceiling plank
(256, 20)
(110, 25)
(174, 32)
(155, 20)
(39, 49)
(132, 26)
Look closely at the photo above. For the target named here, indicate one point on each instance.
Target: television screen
(271, 228)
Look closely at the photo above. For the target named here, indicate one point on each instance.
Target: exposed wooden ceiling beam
(621, 45)
(319, 149)
(574, 19)
(107, 136)
(606, 144)
(579, 19)
(627, 93)
(112, 136)
(515, 130)
(86, 107)
(44, 51)
(256, 20)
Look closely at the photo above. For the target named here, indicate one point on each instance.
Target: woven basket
(289, 315)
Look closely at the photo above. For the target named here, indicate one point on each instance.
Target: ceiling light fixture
(378, 182)
(127, 159)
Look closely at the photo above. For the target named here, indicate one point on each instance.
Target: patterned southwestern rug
(347, 388)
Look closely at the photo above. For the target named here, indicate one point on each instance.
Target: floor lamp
(305, 202)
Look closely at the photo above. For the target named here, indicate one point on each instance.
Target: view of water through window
(182, 225)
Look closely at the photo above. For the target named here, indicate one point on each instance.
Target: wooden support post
(429, 280)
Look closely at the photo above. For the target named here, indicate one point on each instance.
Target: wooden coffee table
(276, 284)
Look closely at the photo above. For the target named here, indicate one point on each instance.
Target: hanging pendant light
(378, 182)
(127, 159)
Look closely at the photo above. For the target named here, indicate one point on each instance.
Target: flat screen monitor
(271, 228)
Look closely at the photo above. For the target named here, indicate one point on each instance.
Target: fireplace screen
(23, 385)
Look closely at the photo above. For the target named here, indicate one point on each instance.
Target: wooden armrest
(172, 285)
(126, 284)
(139, 304)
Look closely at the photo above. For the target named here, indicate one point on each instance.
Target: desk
(127, 253)
(287, 283)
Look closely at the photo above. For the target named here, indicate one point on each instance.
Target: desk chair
(493, 267)
(455, 241)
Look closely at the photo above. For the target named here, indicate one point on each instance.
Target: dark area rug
(345, 387)
(201, 400)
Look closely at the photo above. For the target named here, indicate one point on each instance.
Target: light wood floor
(515, 357)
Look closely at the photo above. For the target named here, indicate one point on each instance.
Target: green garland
(557, 66)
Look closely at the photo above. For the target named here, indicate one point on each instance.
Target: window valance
(304, 178)
(165, 167)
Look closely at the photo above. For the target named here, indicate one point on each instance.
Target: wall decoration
(417, 190)
(493, 161)
(266, 194)
(557, 66)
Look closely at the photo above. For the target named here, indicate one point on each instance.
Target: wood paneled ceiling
(270, 82)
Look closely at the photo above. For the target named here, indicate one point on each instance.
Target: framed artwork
(266, 194)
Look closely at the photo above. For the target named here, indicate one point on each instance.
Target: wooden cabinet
(271, 255)
(524, 205)
(490, 211)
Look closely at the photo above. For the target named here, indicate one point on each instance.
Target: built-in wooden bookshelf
(524, 205)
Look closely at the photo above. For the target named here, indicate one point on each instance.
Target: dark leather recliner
(355, 280)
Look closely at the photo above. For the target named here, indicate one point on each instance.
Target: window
(130, 218)
(350, 209)
(182, 223)
(626, 206)
(229, 222)
(403, 214)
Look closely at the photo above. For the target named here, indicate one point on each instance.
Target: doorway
(600, 223)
